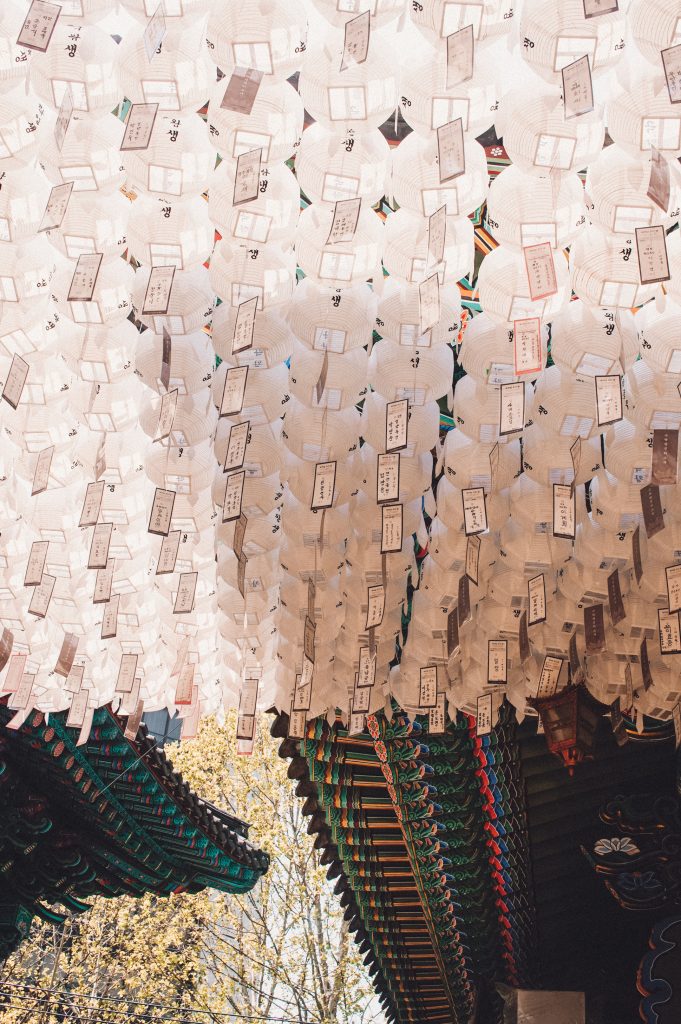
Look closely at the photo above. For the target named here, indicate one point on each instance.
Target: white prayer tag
(166, 415)
(103, 583)
(563, 511)
(41, 475)
(242, 90)
(248, 699)
(126, 673)
(63, 118)
(168, 553)
(428, 687)
(578, 95)
(78, 709)
(74, 680)
(483, 723)
(185, 684)
(361, 699)
(512, 407)
(659, 187)
(436, 716)
(42, 595)
(609, 399)
(429, 303)
(36, 563)
(92, 504)
(391, 528)
(366, 675)
(139, 126)
(38, 26)
(302, 696)
(159, 287)
(15, 673)
(356, 40)
(244, 325)
(237, 441)
(324, 483)
(247, 177)
(541, 270)
(474, 510)
(344, 222)
(57, 203)
(99, 546)
(161, 512)
(437, 231)
(497, 660)
(450, 150)
(673, 574)
(297, 724)
(473, 558)
(671, 61)
(184, 600)
(110, 619)
(84, 279)
(376, 606)
(234, 489)
(356, 724)
(234, 391)
(670, 635)
(536, 596)
(576, 456)
(460, 56)
(651, 246)
(594, 8)
(550, 674)
(154, 32)
(388, 478)
(527, 356)
(16, 378)
(396, 423)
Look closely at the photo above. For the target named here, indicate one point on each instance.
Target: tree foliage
(280, 953)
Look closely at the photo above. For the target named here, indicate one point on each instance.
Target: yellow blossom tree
(280, 953)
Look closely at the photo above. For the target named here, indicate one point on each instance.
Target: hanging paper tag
(576, 456)
(161, 512)
(78, 709)
(563, 511)
(6, 644)
(361, 699)
(344, 222)
(234, 489)
(473, 558)
(42, 595)
(437, 230)
(321, 380)
(248, 700)
(387, 478)
(184, 599)
(302, 696)
(311, 598)
(57, 203)
(308, 639)
(74, 680)
(154, 32)
(536, 596)
(676, 715)
(527, 346)
(185, 684)
(636, 554)
(110, 619)
(244, 324)
(16, 378)
(594, 8)
(166, 357)
(436, 717)
(366, 675)
(665, 456)
(429, 303)
(671, 62)
(651, 247)
(139, 126)
(428, 687)
(460, 56)
(497, 661)
(615, 600)
(391, 528)
(15, 673)
(609, 399)
(234, 391)
(474, 510)
(242, 90)
(464, 600)
(376, 606)
(92, 504)
(452, 632)
(575, 663)
(550, 675)
(99, 546)
(578, 93)
(396, 423)
(66, 655)
(84, 278)
(126, 673)
(241, 575)
(356, 40)
(511, 408)
(523, 639)
(166, 415)
(651, 506)
(63, 121)
(41, 475)
(670, 636)
(39, 24)
(659, 187)
(494, 457)
(134, 721)
(483, 722)
(159, 287)
(541, 270)
(103, 583)
(247, 177)
(673, 574)
(324, 485)
(36, 563)
(297, 724)
(646, 675)
(451, 156)
(594, 629)
(240, 535)
(168, 553)
(237, 441)
(356, 723)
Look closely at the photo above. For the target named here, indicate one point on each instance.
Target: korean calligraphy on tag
(451, 154)
(651, 247)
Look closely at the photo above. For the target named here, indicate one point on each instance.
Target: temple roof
(109, 817)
